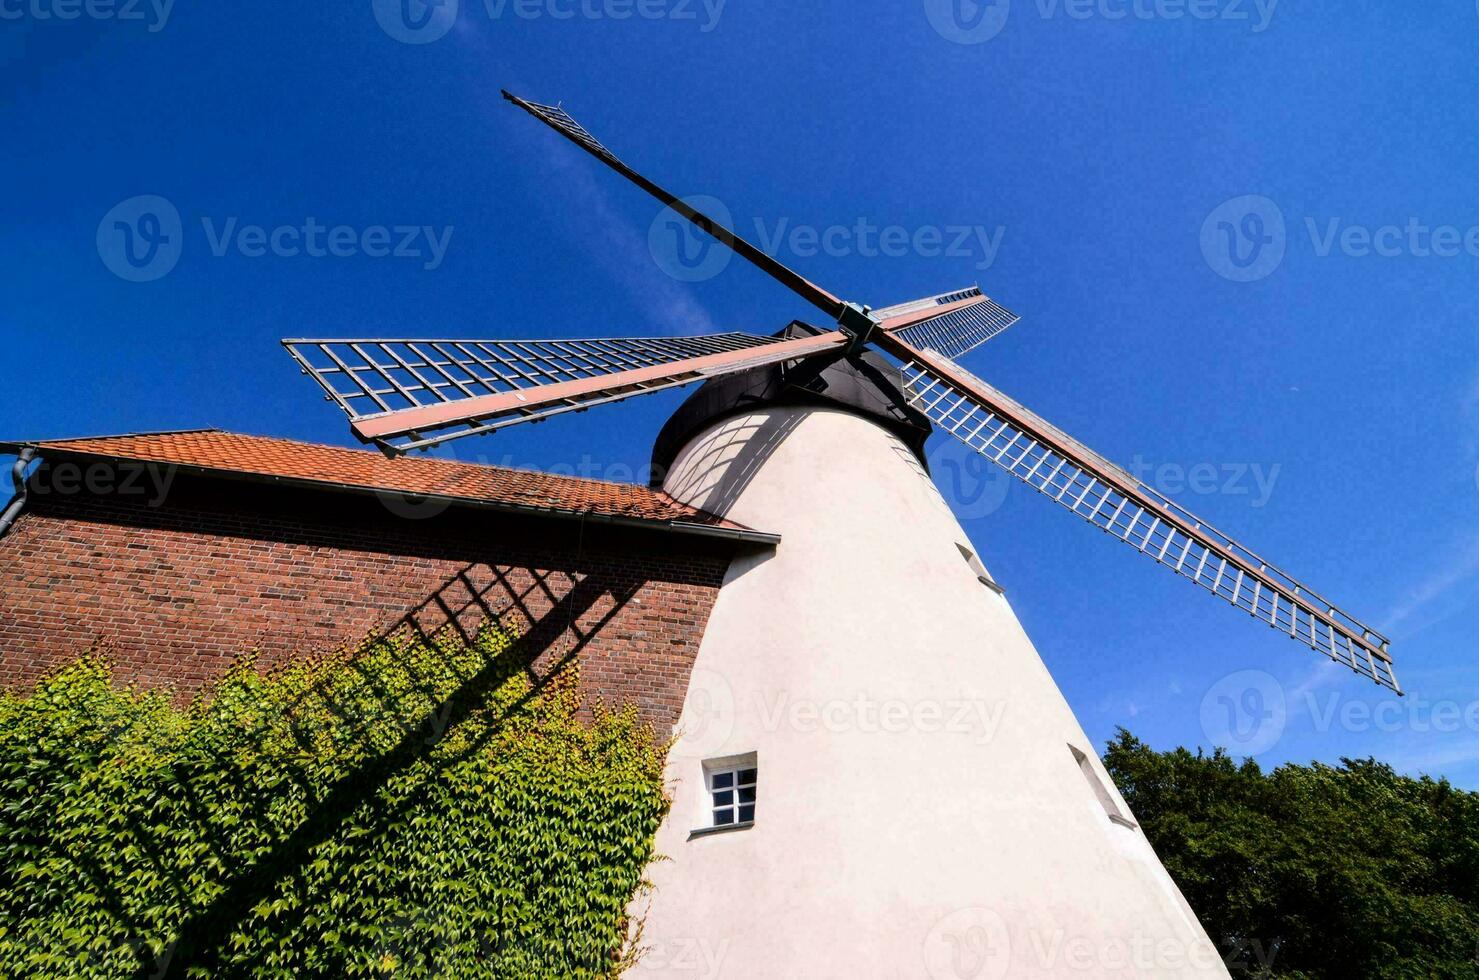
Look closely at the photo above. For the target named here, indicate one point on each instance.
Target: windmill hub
(856, 322)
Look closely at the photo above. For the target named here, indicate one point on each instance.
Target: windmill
(817, 432)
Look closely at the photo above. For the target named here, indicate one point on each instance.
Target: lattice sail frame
(1068, 473)
(969, 318)
(413, 394)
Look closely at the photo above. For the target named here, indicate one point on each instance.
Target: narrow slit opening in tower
(1101, 792)
(979, 569)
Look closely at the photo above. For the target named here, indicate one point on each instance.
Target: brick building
(179, 552)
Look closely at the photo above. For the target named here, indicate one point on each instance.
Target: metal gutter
(745, 535)
(10, 447)
(24, 455)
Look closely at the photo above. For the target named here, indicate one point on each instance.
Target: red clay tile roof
(356, 469)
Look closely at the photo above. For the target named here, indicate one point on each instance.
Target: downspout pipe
(18, 479)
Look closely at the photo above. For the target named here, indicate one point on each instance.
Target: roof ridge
(358, 451)
(281, 460)
(531, 470)
(114, 435)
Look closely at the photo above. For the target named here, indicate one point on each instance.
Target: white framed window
(731, 788)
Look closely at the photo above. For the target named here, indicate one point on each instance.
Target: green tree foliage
(1314, 871)
(414, 809)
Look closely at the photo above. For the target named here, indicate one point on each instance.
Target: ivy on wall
(418, 808)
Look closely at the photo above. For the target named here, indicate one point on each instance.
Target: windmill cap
(863, 383)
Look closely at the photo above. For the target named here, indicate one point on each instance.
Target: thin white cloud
(1324, 673)
(1461, 751)
(1422, 597)
(626, 255)
(581, 190)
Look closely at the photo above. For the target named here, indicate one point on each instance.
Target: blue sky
(1239, 235)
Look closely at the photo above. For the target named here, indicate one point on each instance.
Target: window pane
(722, 817)
(747, 794)
(747, 813)
(747, 776)
(723, 780)
(724, 798)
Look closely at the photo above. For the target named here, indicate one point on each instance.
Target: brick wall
(176, 591)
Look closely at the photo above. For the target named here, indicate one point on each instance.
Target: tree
(1314, 871)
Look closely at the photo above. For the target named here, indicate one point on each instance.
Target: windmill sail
(413, 394)
(563, 123)
(1058, 466)
(951, 323)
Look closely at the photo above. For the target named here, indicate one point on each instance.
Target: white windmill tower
(875, 775)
